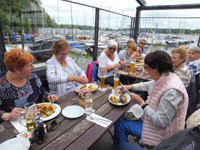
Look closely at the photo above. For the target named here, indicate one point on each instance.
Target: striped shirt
(184, 74)
(72, 69)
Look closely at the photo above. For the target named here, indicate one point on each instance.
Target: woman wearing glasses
(110, 60)
(179, 57)
(165, 108)
(62, 72)
(19, 85)
(141, 45)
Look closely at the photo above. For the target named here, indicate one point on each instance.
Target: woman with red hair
(19, 85)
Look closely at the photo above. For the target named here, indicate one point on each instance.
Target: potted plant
(82, 95)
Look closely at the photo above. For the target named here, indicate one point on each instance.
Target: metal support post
(2, 50)
(96, 35)
(137, 22)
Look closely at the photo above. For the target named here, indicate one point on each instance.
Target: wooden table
(74, 134)
(138, 74)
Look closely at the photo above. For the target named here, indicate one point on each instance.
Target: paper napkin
(102, 121)
(18, 125)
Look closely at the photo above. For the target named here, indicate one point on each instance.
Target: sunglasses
(53, 125)
(143, 43)
(112, 48)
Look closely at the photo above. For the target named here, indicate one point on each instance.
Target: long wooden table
(138, 74)
(74, 134)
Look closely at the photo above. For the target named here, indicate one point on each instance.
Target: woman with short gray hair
(110, 60)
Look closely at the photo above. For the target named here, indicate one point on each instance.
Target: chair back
(193, 94)
(92, 71)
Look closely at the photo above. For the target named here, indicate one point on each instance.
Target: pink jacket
(89, 71)
(152, 135)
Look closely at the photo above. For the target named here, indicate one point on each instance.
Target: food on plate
(91, 87)
(46, 109)
(116, 94)
(116, 100)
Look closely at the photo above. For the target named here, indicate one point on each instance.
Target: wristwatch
(143, 105)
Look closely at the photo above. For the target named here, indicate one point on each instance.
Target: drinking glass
(116, 81)
(102, 76)
(88, 106)
(133, 61)
(30, 109)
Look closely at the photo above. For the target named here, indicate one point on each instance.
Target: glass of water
(89, 106)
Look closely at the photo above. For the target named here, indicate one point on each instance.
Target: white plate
(18, 143)
(55, 114)
(73, 111)
(117, 96)
(87, 85)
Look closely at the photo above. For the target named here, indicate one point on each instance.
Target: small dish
(16, 143)
(73, 111)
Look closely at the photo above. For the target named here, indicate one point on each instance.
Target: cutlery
(125, 89)
(105, 121)
(121, 97)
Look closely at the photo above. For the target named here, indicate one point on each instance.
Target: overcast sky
(61, 12)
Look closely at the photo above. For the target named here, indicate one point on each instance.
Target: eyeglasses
(53, 125)
(142, 43)
(114, 49)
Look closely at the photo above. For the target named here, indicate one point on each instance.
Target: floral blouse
(11, 96)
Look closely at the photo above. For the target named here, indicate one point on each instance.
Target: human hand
(136, 98)
(52, 98)
(13, 115)
(123, 63)
(119, 88)
(84, 80)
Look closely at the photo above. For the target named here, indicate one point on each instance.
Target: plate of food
(114, 98)
(48, 110)
(91, 86)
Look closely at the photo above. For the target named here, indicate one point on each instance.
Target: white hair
(196, 49)
(112, 43)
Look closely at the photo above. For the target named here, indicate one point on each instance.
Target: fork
(125, 89)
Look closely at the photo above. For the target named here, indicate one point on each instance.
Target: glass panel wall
(167, 29)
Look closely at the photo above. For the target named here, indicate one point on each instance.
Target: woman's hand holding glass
(13, 115)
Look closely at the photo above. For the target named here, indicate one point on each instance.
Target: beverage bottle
(40, 135)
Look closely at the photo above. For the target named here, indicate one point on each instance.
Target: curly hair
(59, 45)
(159, 60)
(182, 51)
(16, 59)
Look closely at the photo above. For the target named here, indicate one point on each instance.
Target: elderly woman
(62, 72)
(194, 60)
(19, 85)
(165, 108)
(179, 56)
(128, 54)
(110, 59)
